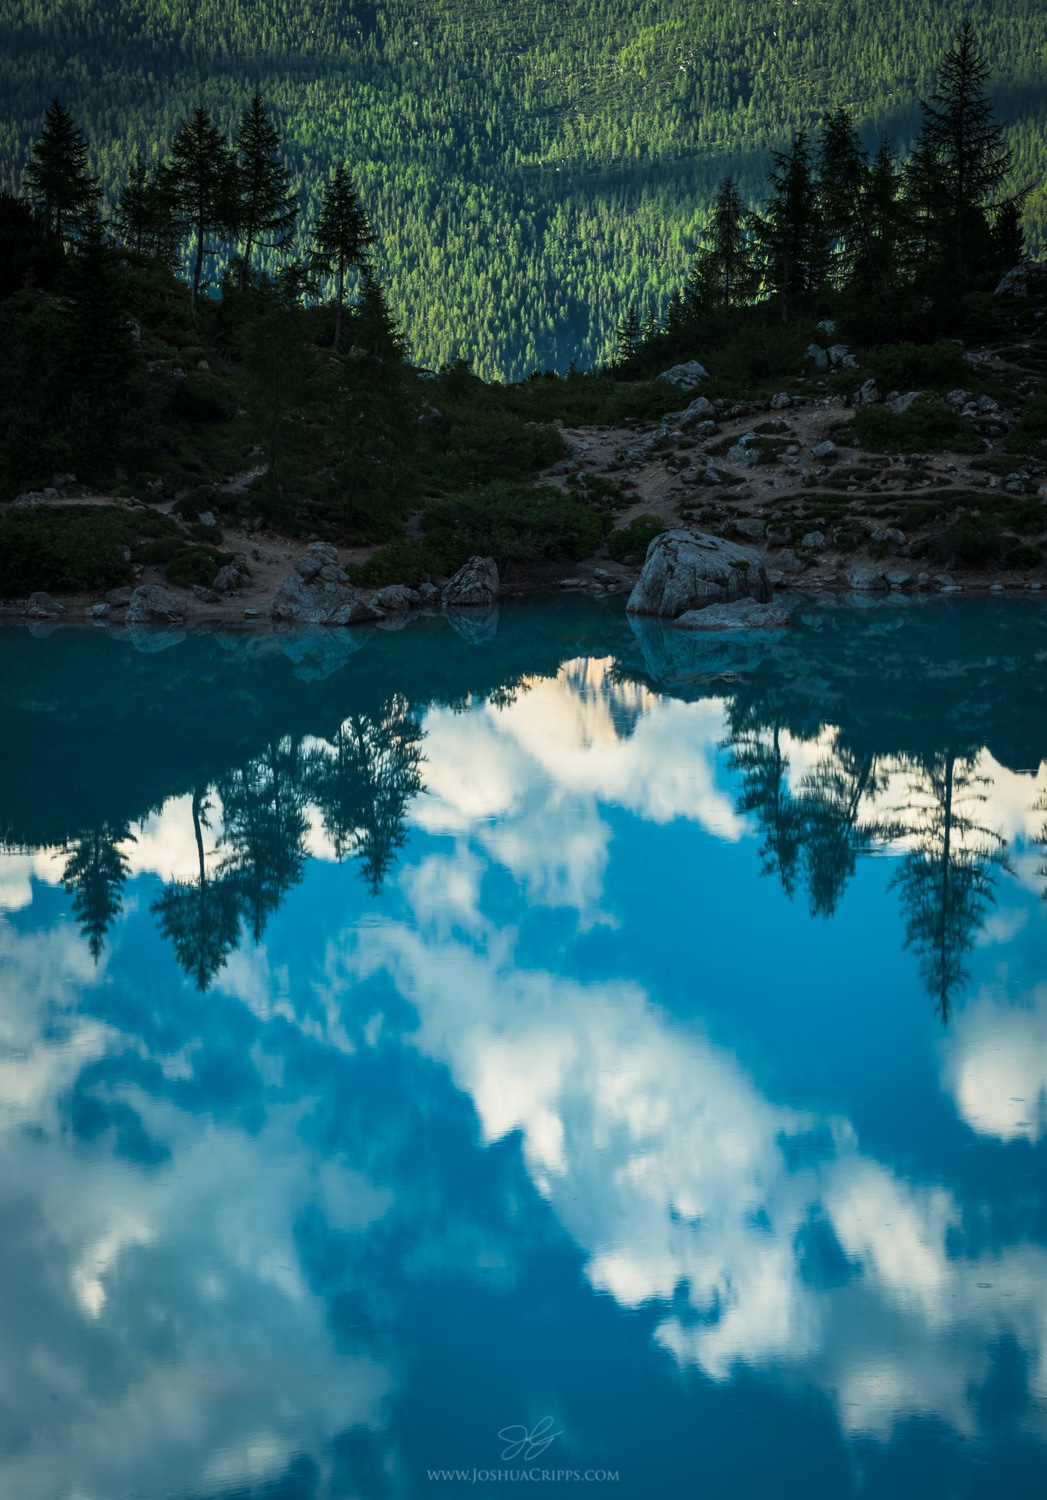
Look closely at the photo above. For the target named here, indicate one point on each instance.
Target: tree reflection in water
(95, 874)
(361, 782)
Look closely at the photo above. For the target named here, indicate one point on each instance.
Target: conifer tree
(627, 337)
(962, 142)
(268, 208)
(723, 274)
(790, 234)
(58, 185)
(204, 188)
(341, 239)
(845, 185)
(146, 217)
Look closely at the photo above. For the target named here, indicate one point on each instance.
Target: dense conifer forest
(529, 169)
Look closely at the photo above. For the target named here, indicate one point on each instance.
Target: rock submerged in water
(743, 614)
(474, 586)
(686, 570)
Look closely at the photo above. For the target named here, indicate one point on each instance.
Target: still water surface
(616, 1062)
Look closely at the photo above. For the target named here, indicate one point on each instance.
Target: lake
(526, 1051)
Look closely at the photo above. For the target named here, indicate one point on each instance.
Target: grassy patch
(633, 540)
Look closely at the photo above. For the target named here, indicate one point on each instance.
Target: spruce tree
(626, 337)
(268, 208)
(146, 217)
(723, 274)
(790, 235)
(62, 191)
(204, 185)
(341, 239)
(960, 136)
(845, 187)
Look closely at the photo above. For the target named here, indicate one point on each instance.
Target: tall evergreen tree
(790, 234)
(845, 186)
(203, 182)
(724, 274)
(146, 217)
(268, 208)
(627, 337)
(962, 143)
(62, 191)
(341, 239)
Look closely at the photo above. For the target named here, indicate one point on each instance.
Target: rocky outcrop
(395, 598)
(686, 376)
(153, 605)
(474, 586)
(687, 570)
(320, 600)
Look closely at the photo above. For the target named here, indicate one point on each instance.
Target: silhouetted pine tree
(341, 239)
(790, 234)
(57, 183)
(203, 183)
(845, 184)
(268, 209)
(724, 274)
(146, 218)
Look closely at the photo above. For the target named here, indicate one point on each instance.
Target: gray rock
(987, 406)
(98, 611)
(207, 518)
(897, 579)
(474, 586)
(41, 606)
(900, 404)
(743, 614)
(787, 564)
(866, 580)
(10, 607)
(781, 402)
(743, 454)
(315, 557)
(837, 354)
(63, 481)
(894, 538)
(817, 354)
(706, 429)
(686, 376)
(428, 594)
(299, 602)
(814, 541)
(393, 599)
(119, 598)
(749, 527)
(205, 595)
(958, 397)
(826, 326)
(868, 393)
(1015, 283)
(944, 580)
(700, 407)
(687, 570)
(153, 605)
(226, 579)
(826, 449)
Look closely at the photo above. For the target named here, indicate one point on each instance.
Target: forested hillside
(530, 168)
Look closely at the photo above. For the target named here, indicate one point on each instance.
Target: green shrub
(192, 565)
(1029, 433)
(513, 523)
(634, 539)
(201, 397)
(157, 552)
(926, 427)
(907, 367)
(408, 561)
(64, 550)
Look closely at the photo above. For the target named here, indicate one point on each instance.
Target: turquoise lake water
(533, 1055)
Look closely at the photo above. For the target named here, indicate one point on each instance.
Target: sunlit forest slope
(530, 166)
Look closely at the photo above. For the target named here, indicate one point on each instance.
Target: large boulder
(321, 601)
(743, 614)
(395, 598)
(152, 605)
(316, 557)
(42, 607)
(687, 570)
(474, 586)
(685, 376)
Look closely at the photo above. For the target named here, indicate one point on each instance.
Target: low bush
(1029, 433)
(513, 523)
(633, 540)
(64, 550)
(407, 561)
(907, 367)
(202, 397)
(195, 565)
(926, 427)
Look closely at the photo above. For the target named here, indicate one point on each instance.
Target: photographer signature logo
(519, 1443)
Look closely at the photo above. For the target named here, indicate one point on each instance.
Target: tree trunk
(198, 266)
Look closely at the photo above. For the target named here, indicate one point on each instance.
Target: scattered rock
(152, 605)
(814, 541)
(898, 580)
(959, 397)
(701, 406)
(866, 580)
(394, 598)
(686, 570)
(748, 526)
(207, 518)
(41, 606)
(119, 598)
(817, 354)
(894, 538)
(787, 564)
(743, 614)
(900, 404)
(98, 611)
(227, 579)
(320, 602)
(944, 580)
(316, 557)
(744, 453)
(428, 594)
(206, 596)
(868, 392)
(825, 449)
(826, 326)
(475, 585)
(1015, 283)
(572, 583)
(686, 376)
(781, 402)
(63, 481)
(12, 607)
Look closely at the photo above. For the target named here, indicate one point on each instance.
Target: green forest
(530, 170)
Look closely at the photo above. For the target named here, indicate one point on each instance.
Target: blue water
(548, 1054)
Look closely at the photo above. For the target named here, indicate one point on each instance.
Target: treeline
(891, 247)
(529, 168)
